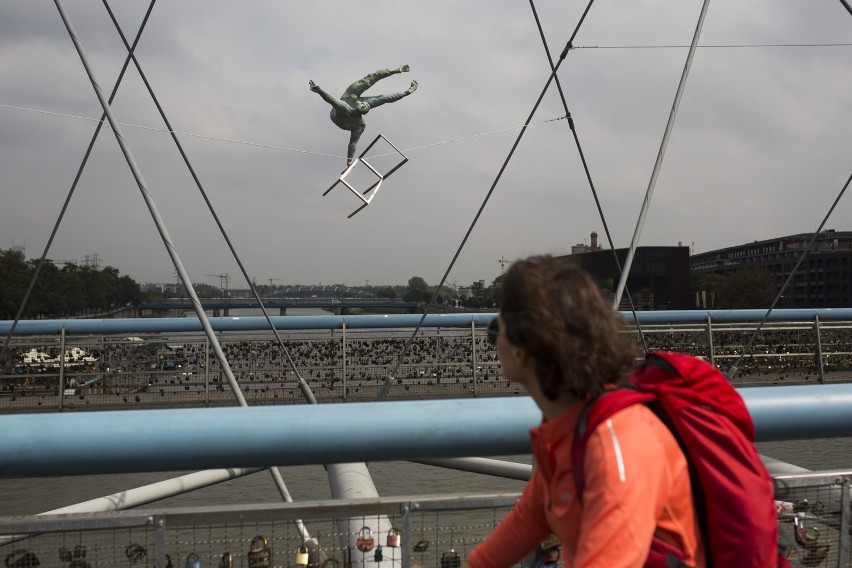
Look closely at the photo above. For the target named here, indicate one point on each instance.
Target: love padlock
(135, 552)
(192, 561)
(394, 539)
(451, 559)
(65, 555)
(302, 556)
(365, 541)
(227, 560)
(78, 558)
(260, 555)
(378, 557)
(21, 558)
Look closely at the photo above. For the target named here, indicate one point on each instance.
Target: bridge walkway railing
(813, 516)
(340, 364)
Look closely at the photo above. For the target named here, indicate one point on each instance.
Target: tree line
(477, 296)
(746, 288)
(76, 290)
(61, 292)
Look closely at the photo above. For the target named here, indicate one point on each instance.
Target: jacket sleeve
(522, 530)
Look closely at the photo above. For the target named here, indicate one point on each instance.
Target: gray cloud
(760, 148)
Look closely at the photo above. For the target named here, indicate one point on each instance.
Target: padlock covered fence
(115, 364)
(813, 519)
(433, 531)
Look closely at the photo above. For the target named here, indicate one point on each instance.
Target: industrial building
(822, 280)
(658, 280)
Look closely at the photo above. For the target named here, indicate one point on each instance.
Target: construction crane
(223, 283)
(503, 262)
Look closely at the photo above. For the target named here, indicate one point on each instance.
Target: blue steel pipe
(250, 323)
(208, 438)
(84, 443)
(800, 412)
(461, 320)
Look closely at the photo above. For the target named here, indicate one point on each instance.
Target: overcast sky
(761, 147)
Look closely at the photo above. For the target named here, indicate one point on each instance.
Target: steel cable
(640, 223)
(237, 392)
(86, 155)
(303, 386)
(391, 377)
(732, 371)
(588, 174)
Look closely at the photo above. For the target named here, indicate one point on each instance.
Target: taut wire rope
(588, 174)
(662, 152)
(86, 155)
(161, 228)
(303, 386)
(732, 371)
(272, 146)
(715, 46)
(391, 376)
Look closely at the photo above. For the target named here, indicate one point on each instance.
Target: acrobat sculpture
(348, 111)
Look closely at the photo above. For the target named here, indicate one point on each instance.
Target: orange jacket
(637, 485)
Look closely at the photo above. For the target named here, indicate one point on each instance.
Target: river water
(36, 495)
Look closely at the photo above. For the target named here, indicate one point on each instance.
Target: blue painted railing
(250, 323)
(147, 440)
(159, 440)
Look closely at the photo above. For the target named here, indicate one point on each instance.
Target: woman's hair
(554, 311)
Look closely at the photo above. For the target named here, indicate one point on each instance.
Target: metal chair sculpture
(374, 188)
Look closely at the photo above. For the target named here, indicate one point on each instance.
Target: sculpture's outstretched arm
(353, 143)
(330, 99)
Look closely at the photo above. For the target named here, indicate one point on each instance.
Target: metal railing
(813, 519)
(432, 531)
(164, 369)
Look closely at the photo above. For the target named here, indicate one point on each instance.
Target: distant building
(823, 280)
(152, 287)
(582, 248)
(658, 280)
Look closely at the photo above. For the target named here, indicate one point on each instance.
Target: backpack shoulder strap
(595, 413)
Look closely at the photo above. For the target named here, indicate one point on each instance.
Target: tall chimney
(594, 246)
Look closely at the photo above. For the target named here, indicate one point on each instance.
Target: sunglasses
(493, 331)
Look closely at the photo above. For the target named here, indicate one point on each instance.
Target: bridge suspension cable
(267, 146)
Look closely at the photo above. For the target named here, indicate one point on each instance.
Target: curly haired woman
(562, 341)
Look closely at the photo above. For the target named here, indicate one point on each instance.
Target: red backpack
(733, 492)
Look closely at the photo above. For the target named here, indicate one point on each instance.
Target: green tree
(707, 287)
(748, 288)
(60, 292)
(128, 291)
(386, 292)
(479, 296)
(73, 289)
(14, 279)
(495, 291)
(417, 291)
